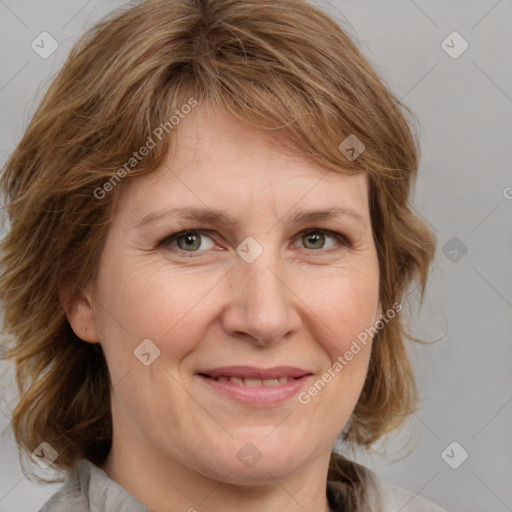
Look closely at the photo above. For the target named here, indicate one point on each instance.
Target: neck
(164, 485)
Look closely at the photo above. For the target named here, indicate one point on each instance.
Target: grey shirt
(87, 488)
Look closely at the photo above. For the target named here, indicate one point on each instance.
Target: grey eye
(190, 241)
(314, 240)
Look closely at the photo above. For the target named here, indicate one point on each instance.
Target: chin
(251, 466)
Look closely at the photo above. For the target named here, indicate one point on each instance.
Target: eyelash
(166, 242)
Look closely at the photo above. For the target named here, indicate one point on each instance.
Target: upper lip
(253, 372)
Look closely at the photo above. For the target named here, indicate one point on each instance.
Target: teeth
(253, 382)
(250, 382)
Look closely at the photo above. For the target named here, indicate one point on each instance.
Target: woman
(210, 241)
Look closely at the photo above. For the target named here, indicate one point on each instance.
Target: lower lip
(258, 395)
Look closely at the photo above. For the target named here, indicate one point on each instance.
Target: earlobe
(78, 307)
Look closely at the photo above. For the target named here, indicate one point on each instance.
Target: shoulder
(88, 489)
(73, 493)
(390, 498)
(352, 486)
(61, 502)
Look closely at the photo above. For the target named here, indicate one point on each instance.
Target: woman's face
(247, 293)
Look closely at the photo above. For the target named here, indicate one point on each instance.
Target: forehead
(219, 162)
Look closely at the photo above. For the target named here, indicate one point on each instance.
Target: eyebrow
(209, 215)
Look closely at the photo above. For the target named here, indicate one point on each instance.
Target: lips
(251, 376)
(255, 387)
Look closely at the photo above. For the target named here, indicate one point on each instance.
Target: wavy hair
(279, 65)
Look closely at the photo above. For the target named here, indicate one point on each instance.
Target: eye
(316, 239)
(190, 241)
(197, 240)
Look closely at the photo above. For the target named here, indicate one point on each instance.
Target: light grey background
(464, 105)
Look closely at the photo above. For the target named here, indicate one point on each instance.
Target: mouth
(255, 386)
(250, 382)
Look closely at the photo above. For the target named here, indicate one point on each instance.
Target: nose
(262, 305)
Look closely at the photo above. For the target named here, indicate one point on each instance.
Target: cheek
(346, 305)
(346, 311)
(148, 301)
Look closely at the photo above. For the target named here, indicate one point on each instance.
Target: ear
(78, 306)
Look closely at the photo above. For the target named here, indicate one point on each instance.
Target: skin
(300, 303)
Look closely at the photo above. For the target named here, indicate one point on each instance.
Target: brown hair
(277, 65)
